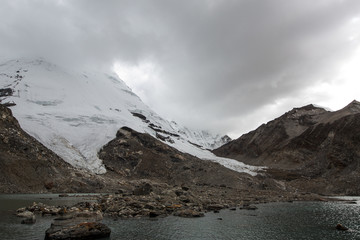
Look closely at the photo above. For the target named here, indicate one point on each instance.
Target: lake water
(298, 220)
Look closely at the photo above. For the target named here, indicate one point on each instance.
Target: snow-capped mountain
(74, 113)
(203, 138)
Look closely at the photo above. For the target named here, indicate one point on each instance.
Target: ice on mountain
(75, 113)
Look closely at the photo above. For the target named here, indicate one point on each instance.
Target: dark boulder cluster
(80, 221)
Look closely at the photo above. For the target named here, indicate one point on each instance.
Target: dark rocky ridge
(310, 148)
(254, 146)
(135, 155)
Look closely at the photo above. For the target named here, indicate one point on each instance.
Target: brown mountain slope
(254, 147)
(323, 157)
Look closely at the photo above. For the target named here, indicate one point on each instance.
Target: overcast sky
(223, 65)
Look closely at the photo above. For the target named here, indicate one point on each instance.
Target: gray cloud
(224, 64)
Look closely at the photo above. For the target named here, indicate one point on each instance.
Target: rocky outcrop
(28, 217)
(4, 92)
(80, 221)
(135, 155)
(81, 231)
(309, 148)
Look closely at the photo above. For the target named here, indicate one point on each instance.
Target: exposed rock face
(4, 92)
(311, 148)
(223, 140)
(135, 155)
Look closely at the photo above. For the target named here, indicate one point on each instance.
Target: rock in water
(29, 217)
(25, 214)
(188, 213)
(29, 220)
(341, 227)
(85, 230)
(248, 207)
(78, 225)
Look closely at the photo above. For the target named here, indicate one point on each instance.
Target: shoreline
(127, 206)
(87, 214)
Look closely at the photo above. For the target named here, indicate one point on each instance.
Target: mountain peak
(309, 107)
(56, 104)
(353, 107)
(308, 110)
(354, 103)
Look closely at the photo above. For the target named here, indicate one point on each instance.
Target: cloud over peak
(222, 65)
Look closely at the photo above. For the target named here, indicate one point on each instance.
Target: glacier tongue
(75, 113)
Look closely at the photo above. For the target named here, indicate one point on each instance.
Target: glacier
(74, 113)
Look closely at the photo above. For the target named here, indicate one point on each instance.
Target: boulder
(153, 214)
(23, 209)
(143, 189)
(94, 216)
(84, 230)
(78, 225)
(29, 220)
(341, 227)
(25, 214)
(29, 217)
(214, 207)
(248, 207)
(185, 187)
(188, 213)
(50, 210)
(64, 195)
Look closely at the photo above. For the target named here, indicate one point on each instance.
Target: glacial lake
(278, 221)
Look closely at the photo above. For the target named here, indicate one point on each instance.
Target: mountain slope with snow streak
(74, 113)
